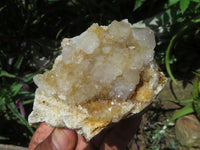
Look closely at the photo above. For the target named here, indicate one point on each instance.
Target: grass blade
(173, 40)
(196, 96)
(58, 34)
(27, 101)
(30, 76)
(182, 112)
(187, 100)
(6, 74)
(167, 58)
(11, 106)
(4, 138)
(171, 100)
(19, 62)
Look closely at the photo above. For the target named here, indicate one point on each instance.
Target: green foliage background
(31, 32)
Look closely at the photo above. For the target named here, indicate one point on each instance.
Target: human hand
(115, 138)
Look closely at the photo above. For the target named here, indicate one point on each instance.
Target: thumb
(59, 139)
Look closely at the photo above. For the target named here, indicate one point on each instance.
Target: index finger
(42, 132)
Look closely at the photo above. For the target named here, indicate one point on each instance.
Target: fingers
(82, 144)
(115, 138)
(42, 132)
(119, 137)
(60, 139)
(47, 138)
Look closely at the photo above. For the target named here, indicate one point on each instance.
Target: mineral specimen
(103, 75)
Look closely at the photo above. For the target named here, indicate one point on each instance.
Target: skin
(115, 138)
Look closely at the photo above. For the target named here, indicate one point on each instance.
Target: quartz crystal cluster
(102, 76)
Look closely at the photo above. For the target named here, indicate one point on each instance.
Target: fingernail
(58, 139)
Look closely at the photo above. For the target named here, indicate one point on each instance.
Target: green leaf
(184, 4)
(196, 1)
(196, 96)
(4, 138)
(182, 112)
(197, 74)
(58, 34)
(17, 65)
(12, 107)
(15, 87)
(2, 104)
(173, 2)
(28, 101)
(170, 100)
(2, 8)
(197, 6)
(195, 92)
(167, 58)
(138, 4)
(6, 74)
(30, 76)
(173, 40)
(26, 94)
(187, 100)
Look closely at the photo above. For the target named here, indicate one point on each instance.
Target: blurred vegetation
(31, 32)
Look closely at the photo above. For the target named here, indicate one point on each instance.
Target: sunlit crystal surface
(100, 64)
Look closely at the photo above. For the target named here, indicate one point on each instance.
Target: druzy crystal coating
(101, 76)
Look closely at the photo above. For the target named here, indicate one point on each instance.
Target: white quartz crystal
(102, 75)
